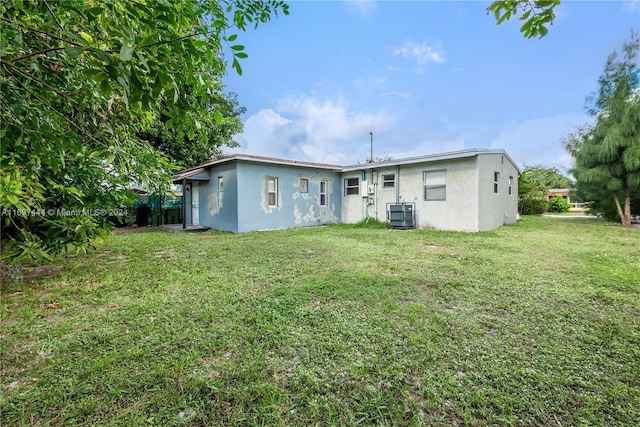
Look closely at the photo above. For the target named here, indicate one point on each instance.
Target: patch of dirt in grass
(168, 254)
(314, 305)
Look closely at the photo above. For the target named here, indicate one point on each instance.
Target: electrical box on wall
(363, 188)
(371, 189)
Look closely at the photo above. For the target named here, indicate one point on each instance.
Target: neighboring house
(469, 190)
(563, 192)
(574, 207)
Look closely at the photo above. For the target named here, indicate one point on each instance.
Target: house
(241, 193)
(562, 192)
(574, 207)
(468, 190)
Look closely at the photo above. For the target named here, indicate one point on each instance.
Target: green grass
(536, 323)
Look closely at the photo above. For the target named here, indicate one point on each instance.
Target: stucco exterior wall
(294, 208)
(458, 212)
(496, 209)
(220, 210)
(464, 198)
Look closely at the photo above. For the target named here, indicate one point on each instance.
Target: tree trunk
(627, 210)
(625, 216)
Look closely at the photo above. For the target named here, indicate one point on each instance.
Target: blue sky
(424, 77)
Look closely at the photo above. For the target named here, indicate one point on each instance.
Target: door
(195, 204)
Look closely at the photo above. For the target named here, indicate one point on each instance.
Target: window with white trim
(510, 185)
(496, 182)
(323, 193)
(220, 190)
(435, 185)
(388, 181)
(352, 186)
(272, 191)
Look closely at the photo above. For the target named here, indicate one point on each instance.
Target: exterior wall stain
(213, 206)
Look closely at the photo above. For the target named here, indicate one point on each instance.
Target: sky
(424, 77)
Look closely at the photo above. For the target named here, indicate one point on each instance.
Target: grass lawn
(536, 323)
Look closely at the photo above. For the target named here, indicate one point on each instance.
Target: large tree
(607, 154)
(220, 123)
(80, 80)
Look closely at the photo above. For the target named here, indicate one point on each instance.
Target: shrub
(558, 205)
(533, 206)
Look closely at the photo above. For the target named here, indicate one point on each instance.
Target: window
(435, 185)
(304, 185)
(388, 181)
(496, 181)
(352, 186)
(510, 185)
(272, 191)
(323, 193)
(220, 190)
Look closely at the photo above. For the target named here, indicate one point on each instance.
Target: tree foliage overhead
(80, 80)
(607, 154)
(535, 14)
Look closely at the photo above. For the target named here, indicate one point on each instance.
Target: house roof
(184, 174)
(202, 167)
(430, 158)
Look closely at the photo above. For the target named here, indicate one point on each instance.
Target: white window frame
(435, 181)
(272, 191)
(324, 197)
(389, 180)
(351, 189)
(220, 190)
(496, 182)
(510, 185)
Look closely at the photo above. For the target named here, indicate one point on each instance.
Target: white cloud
(422, 53)
(308, 128)
(539, 141)
(363, 8)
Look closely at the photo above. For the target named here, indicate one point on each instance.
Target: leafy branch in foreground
(80, 81)
(536, 14)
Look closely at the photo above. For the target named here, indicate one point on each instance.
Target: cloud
(421, 53)
(363, 8)
(632, 6)
(312, 129)
(539, 141)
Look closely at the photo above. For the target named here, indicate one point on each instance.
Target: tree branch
(29, 76)
(52, 15)
(64, 117)
(44, 33)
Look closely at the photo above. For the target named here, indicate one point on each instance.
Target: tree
(534, 184)
(217, 129)
(80, 80)
(536, 14)
(607, 154)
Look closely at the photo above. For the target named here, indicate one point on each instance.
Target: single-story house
(468, 190)
(241, 193)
